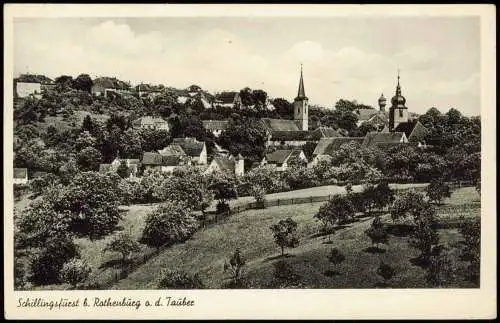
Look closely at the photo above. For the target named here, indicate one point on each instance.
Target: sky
(353, 58)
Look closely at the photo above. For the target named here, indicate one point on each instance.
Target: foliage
(246, 136)
(83, 82)
(338, 210)
(470, 247)
(300, 177)
(284, 276)
(175, 279)
(39, 184)
(259, 195)
(440, 270)
(75, 272)
(89, 159)
(437, 190)
(335, 256)
(385, 271)
(223, 186)
(425, 236)
(266, 177)
(170, 223)
(123, 170)
(47, 264)
(284, 233)
(409, 203)
(235, 267)
(122, 243)
(377, 232)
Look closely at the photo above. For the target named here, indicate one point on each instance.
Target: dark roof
(226, 97)
(33, 78)
(154, 159)
(327, 146)
(414, 130)
(20, 172)
(110, 83)
(291, 135)
(281, 155)
(191, 146)
(171, 160)
(386, 146)
(215, 124)
(382, 137)
(172, 150)
(327, 132)
(280, 124)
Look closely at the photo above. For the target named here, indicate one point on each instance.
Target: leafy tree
(170, 223)
(118, 120)
(224, 187)
(67, 171)
(123, 170)
(283, 108)
(90, 124)
(39, 184)
(335, 257)
(470, 247)
(386, 272)
(377, 232)
(84, 140)
(337, 210)
(259, 195)
(83, 82)
(89, 159)
(265, 176)
(246, 136)
(47, 264)
(235, 267)
(406, 204)
(122, 243)
(175, 279)
(64, 83)
(154, 139)
(284, 233)
(130, 144)
(75, 272)
(425, 236)
(437, 190)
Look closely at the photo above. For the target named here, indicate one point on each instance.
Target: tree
(235, 267)
(85, 140)
(439, 273)
(75, 272)
(283, 108)
(176, 279)
(48, 262)
(247, 136)
(336, 258)
(224, 188)
(337, 210)
(68, 171)
(406, 204)
(284, 233)
(437, 190)
(386, 272)
(377, 232)
(425, 236)
(122, 243)
(470, 247)
(123, 170)
(83, 82)
(89, 159)
(170, 223)
(64, 83)
(259, 195)
(39, 184)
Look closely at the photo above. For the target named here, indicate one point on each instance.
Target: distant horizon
(343, 57)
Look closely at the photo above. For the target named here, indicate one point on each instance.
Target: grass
(209, 248)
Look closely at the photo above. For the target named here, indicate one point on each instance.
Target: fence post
(278, 202)
(311, 199)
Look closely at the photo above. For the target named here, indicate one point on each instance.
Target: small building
(161, 162)
(414, 131)
(374, 137)
(31, 85)
(281, 158)
(215, 126)
(228, 100)
(149, 122)
(328, 147)
(172, 150)
(102, 86)
(20, 175)
(229, 165)
(194, 149)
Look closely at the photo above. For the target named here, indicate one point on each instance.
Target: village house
(374, 138)
(172, 150)
(228, 100)
(196, 150)
(31, 85)
(215, 126)
(281, 158)
(149, 122)
(148, 91)
(132, 165)
(102, 86)
(227, 164)
(299, 138)
(164, 163)
(20, 175)
(328, 147)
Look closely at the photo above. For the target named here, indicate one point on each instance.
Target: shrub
(175, 279)
(377, 232)
(335, 257)
(222, 208)
(170, 223)
(284, 276)
(75, 272)
(122, 243)
(47, 264)
(284, 233)
(338, 210)
(425, 237)
(259, 195)
(470, 247)
(437, 190)
(39, 184)
(386, 272)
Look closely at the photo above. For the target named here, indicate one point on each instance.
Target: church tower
(398, 112)
(300, 106)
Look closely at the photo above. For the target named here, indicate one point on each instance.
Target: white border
(282, 304)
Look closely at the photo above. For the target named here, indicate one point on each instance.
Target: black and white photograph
(246, 152)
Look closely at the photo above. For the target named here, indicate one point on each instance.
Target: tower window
(400, 113)
(299, 110)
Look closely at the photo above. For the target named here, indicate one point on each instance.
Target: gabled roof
(171, 160)
(295, 135)
(33, 78)
(172, 150)
(280, 124)
(281, 155)
(414, 130)
(20, 172)
(191, 146)
(215, 124)
(148, 120)
(110, 83)
(226, 97)
(384, 146)
(152, 159)
(382, 137)
(327, 146)
(365, 114)
(327, 132)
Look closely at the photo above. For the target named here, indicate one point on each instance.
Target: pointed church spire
(301, 93)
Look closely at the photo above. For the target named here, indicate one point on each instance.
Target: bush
(386, 272)
(75, 272)
(20, 190)
(285, 276)
(377, 232)
(38, 185)
(437, 190)
(175, 279)
(470, 248)
(47, 264)
(170, 223)
(259, 195)
(122, 243)
(335, 257)
(222, 208)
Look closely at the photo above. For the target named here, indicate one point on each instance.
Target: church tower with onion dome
(398, 112)
(382, 102)
(300, 106)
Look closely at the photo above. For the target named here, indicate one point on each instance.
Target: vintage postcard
(249, 161)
